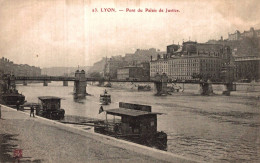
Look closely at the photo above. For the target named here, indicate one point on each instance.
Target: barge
(136, 123)
(50, 107)
(9, 95)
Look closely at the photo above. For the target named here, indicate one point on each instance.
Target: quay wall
(11, 114)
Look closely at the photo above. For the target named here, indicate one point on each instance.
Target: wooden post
(106, 118)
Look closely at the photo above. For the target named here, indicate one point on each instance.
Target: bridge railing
(63, 78)
(45, 78)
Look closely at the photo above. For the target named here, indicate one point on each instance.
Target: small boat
(105, 98)
(49, 107)
(13, 98)
(136, 123)
(9, 95)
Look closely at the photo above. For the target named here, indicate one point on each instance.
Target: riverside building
(191, 59)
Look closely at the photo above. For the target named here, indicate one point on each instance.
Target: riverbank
(43, 140)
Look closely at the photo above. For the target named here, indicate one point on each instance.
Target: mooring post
(80, 84)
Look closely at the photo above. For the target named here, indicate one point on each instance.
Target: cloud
(240, 13)
(68, 33)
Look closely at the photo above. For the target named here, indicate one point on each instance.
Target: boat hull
(158, 140)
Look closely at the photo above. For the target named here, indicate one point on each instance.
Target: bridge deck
(62, 78)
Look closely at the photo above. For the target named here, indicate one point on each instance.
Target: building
(171, 49)
(252, 33)
(8, 67)
(131, 73)
(158, 66)
(191, 59)
(111, 66)
(185, 67)
(142, 55)
(247, 68)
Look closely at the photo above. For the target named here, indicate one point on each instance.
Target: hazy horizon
(66, 33)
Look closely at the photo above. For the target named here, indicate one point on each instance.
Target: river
(208, 128)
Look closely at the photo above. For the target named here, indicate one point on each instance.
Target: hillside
(61, 71)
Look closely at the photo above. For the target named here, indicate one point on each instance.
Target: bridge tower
(80, 84)
(161, 84)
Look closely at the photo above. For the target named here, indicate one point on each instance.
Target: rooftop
(128, 112)
(48, 98)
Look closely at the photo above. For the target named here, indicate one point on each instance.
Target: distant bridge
(80, 82)
(64, 78)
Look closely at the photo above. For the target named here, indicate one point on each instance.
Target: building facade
(8, 67)
(247, 68)
(131, 73)
(158, 66)
(249, 34)
(111, 66)
(205, 60)
(184, 68)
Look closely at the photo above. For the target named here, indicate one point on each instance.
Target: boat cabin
(49, 102)
(50, 107)
(138, 124)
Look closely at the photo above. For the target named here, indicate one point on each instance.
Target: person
(17, 105)
(32, 111)
(0, 112)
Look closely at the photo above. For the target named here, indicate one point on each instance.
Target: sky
(66, 33)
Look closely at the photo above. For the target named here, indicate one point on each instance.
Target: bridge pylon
(80, 84)
(206, 88)
(160, 83)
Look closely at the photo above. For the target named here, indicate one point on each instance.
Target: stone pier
(45, 83)
(206, 88)
(228, 88)
(161, 84)
(65, 83)
(80, 84)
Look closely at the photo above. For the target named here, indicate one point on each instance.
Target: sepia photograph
(105, 81)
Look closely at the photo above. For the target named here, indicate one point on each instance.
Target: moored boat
(137, 123)
(9, 95)
(50, 107)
